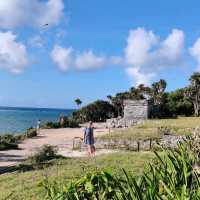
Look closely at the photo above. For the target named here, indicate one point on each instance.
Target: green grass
(25, 185)
(149, 128)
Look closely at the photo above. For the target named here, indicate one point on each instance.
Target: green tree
(78, 102)
(193, 92)
(157, 91)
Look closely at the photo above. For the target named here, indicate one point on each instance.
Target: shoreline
(61, 138)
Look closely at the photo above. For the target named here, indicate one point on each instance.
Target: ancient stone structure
(134, 111)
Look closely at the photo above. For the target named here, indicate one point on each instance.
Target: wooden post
(150, 146)
(138, 146)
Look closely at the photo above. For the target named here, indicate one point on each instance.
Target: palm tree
(78, 102)
(193, 92)
(158, 89)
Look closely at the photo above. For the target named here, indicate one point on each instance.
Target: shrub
(70, 122)
(49, 125)
(98, 111)
(7, 142)
(46, 153)
(171, 175)
(31, 132)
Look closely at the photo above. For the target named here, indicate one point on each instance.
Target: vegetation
(155, 128)
(9, 141)
(27, 185)
(45, 153)
(78, 102)
(98, 111)
(68, 122)
(171, 176)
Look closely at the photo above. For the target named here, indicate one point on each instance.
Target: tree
(157, 91)
(193, 92)
(97, 111)
(78, 102)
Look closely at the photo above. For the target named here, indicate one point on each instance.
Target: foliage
(49, 125)
(8, 141)
(26, 185)
(171, 176)
(31, 132)
(96, 185)
(68, 122)
(45, 153)
(193, 92)
(78, 101)
(98, 111)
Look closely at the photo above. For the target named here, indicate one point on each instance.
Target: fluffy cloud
(14, 13)
(67, 59)
(13, 54)
(195, 52)
(62, 57)
(146, 53)
(36, 41)
(87, 60)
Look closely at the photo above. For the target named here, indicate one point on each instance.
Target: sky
(53, 51)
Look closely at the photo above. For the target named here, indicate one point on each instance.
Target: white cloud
(15, 13)
(146, 53)
(87, 60)
(140, 78)
(13, 54)
(195, 52)
(62, 57)
(67, 59)
(36, 41)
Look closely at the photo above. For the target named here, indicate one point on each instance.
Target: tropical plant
(78, 102)
(193, 92)
(45, 153)
(98, 111)
(170, 176)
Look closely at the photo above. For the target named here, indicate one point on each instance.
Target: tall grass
(170, 176)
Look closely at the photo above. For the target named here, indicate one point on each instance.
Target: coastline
(61, 138)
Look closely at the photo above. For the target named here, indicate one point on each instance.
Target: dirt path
(61, 138)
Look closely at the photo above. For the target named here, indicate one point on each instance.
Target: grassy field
(25, 186)
(150, 128)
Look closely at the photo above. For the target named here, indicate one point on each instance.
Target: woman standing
(89, 139)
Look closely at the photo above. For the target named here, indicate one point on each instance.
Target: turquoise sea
(17, 120)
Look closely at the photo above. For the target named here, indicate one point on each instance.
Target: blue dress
(89, 136)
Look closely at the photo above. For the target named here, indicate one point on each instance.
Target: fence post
(150, 146)
(138, 146)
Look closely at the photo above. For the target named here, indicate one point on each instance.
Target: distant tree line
(183, 101)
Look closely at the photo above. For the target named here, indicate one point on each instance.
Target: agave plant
(171, 176)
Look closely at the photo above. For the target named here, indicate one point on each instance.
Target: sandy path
(62, 138)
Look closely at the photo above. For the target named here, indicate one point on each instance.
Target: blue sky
(91, 48)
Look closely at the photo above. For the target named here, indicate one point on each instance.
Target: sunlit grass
(150, 128)
(25, 186)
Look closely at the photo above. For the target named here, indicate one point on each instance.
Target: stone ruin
(135, 111)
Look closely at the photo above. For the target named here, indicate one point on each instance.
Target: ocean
(17, 120)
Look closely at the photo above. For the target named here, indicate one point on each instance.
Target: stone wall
(167, 141)
(134, 111)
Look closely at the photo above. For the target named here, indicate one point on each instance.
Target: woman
(89, 139)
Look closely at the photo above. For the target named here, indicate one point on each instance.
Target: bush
(8, 146)
(31, 132)
(46, 153)
(69, 122)
(172, 175)
(7, 142)
(98, 111)
(49, 125)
